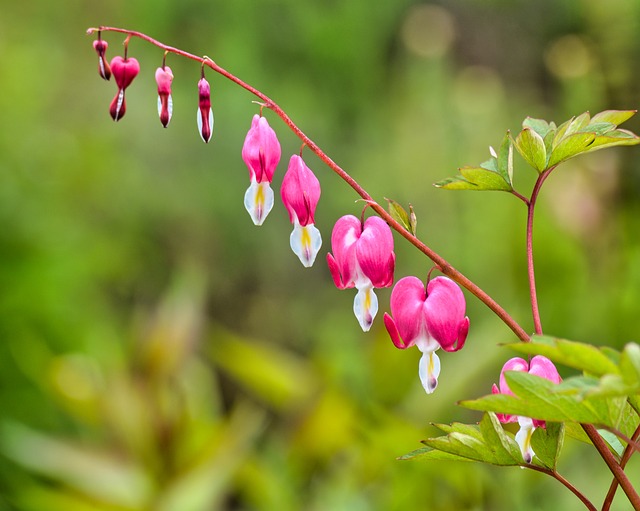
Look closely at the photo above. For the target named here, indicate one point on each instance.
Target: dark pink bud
(205, 114)
(164, 77)
(103, 66)
(124, 71)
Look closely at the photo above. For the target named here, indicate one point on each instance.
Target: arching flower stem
(446, 268)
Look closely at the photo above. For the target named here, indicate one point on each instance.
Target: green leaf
(413, 220)
(630, 364)
(505, 159)
(584, 357)
(616, 117)
(547, 443)
(614, 138)
(577, 124)
(487, 443)
(531, 146)
(501, 444)
(399, 214)
(429, 453)
(475, 178)
(536, 397)
(570, 146)
(540, 126)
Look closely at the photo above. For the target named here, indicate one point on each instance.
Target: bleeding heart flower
(300, 194)
(429, 318)
(261, 153)
(124, 71)
(205, 114)
(540, 366)
(164, 77)
(103, 66)
(363, 258)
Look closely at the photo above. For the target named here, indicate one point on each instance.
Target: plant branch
(626, 456)
(588, 504)
(445, 267)
(531, 206)
(616, 469)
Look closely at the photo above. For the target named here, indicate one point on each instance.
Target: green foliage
(488, 442)
(543, 145)
(494, 174)
(407, 220)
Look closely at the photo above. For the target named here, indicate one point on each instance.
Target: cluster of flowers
(430, 316)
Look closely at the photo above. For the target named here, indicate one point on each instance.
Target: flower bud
(205, 114)
(103, 66)
(164, 77)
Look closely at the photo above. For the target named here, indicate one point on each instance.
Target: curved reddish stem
(531, 205)
(444, 265)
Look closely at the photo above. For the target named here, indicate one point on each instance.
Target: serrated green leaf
(570, 146)
(616, 117)
(584, 357)
(531, 147)
(399, 214)
(475, 178)
(547, 443)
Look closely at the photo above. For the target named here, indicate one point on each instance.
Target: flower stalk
(445, 267)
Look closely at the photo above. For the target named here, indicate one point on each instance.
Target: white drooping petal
(523, 437)
(306, 242)
(365, 306)
(258, 200)
(201, 125)
(429, 370)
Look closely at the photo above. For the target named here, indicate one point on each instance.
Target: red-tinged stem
(626, 456)
(615, 468)
(446, 268)
(531, 206)
(588, 504)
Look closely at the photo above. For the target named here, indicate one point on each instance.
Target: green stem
(444, 265)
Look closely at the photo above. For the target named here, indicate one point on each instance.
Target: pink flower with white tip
(261, 152)
(363, 258)
(164, 77)
(300, 194)
(428, 318)
(540, 366)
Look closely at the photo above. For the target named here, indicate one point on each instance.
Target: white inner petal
(305, 242)
(523, 437)
(429, 370)
(365, 307)
(258, 201)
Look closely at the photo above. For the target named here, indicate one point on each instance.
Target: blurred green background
(159, 352)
